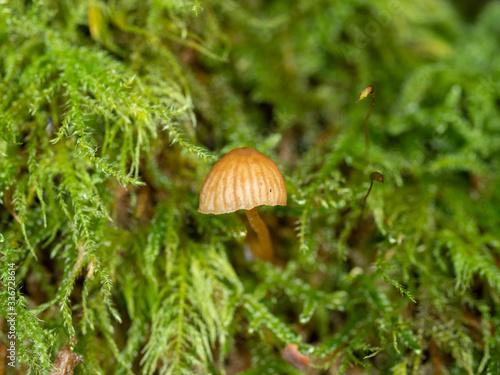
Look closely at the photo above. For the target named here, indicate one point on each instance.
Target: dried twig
(291, 354)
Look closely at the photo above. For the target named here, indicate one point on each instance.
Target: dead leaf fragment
(66, 361)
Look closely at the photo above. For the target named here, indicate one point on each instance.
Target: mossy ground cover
(113, 112)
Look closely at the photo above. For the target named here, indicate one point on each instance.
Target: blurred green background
(113, 112)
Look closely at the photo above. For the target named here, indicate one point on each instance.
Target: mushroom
(244, 179)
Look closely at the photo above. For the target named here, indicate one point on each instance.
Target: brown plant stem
(367, 91)
(367, 142)
(8, 205)
(374, 176)
(366, 197)
(265, 247)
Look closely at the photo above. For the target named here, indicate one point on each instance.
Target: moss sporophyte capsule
(244, 179)
(367, 91)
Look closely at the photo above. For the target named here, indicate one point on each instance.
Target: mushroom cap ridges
(242, 179)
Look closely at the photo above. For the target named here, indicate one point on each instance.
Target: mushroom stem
(260, 229)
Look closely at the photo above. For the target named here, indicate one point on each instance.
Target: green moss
(111, 115)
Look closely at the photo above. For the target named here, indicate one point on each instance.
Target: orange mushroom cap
(242, 179)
